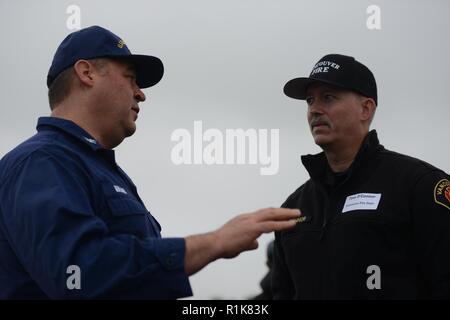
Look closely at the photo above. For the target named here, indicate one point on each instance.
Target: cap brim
(149, 70)
(296, 88)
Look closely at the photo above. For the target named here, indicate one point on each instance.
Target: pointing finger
(277, 214)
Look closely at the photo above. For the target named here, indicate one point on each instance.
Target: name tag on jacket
(362, 201)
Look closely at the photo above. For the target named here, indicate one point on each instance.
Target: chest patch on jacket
(362, 201)
(442, 193)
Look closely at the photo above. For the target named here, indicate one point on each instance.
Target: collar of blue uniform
(71, 128)
(317, 165)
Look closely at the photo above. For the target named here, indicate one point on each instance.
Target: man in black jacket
(375, 224)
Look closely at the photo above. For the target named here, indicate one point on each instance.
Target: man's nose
(139, 95)
(315, 108)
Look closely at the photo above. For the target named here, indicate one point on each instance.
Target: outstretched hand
(237, 235)
(241, 233)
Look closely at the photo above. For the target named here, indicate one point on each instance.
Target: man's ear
(368, 107)
(84, 71)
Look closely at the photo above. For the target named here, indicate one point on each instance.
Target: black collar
(319, 170)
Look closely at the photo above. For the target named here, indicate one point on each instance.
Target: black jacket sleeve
(431, 231)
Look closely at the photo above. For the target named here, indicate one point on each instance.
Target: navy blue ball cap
(97, 42)
(338, 70)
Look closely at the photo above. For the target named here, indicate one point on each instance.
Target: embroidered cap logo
(121, 43)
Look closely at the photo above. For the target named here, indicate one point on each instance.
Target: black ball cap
(337, 70)
(98, 42)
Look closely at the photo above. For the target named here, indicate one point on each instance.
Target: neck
(341, 157)
(87, 123)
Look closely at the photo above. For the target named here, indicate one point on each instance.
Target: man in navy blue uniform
(72, 224)
(375, 223)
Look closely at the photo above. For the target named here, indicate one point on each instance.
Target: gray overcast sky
(225, 64)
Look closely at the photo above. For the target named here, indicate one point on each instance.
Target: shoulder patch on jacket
(442, 193)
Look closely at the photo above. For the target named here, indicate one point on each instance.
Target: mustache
(319, 121)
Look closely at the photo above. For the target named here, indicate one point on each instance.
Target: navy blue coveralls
(64, 202)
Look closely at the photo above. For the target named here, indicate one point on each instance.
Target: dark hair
(61, 86)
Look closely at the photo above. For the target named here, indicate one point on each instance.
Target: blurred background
(226, 63)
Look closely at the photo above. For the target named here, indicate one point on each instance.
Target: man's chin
(322, 140)
(130, 130)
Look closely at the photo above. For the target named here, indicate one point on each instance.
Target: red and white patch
(442, 193)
